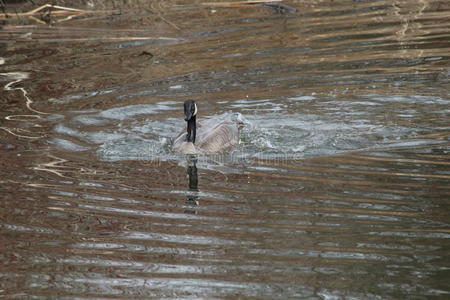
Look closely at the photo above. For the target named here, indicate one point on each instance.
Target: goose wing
(222, 137)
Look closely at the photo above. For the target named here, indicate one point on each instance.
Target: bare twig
(60, 10)
(37, 20)
(63, 8)
(168, 22)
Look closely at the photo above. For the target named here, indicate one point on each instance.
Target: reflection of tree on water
(192, 194)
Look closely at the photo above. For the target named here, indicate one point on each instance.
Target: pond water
(339, 188)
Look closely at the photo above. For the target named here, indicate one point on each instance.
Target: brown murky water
(339, 189)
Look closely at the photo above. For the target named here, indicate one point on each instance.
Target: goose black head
(190, 109)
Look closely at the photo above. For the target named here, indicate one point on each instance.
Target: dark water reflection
(339, 189)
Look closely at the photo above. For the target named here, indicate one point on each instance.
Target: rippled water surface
(339, 188)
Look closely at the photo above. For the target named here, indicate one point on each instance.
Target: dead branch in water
(58, 10)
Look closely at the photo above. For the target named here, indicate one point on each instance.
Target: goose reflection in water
(192, 193)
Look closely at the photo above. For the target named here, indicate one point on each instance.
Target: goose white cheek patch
(195, 109)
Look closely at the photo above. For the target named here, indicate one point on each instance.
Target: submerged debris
(273, 4)
(280, 8)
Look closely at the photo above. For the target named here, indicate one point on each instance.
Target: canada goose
(213, 135)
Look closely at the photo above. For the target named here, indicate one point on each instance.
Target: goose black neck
(191, 129)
